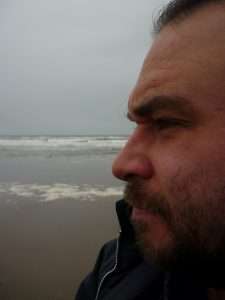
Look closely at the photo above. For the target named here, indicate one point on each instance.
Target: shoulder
(123, 266)
(104, 262)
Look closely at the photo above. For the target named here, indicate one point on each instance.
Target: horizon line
(63, 134)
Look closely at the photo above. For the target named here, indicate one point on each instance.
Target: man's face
(174, 161)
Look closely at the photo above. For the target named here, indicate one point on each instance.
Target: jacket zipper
(110, 271)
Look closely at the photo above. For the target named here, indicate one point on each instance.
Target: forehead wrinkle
(142, 90)
(151, 79)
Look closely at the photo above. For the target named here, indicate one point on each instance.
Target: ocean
(47, 168)
(57, 198)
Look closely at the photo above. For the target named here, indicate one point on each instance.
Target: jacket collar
(123, 213)
(186, 280)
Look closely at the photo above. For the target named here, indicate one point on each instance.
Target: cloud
(61, 59)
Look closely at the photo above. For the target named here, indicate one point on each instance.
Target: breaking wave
(59, 191)
(60, 146)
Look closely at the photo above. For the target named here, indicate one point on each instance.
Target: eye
(166, 123)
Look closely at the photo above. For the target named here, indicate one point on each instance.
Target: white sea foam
(57, 142)
(59, 191)
(60, 145)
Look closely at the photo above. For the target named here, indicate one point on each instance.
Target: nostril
(129, 177)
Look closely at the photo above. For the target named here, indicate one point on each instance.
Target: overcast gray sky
(67, 67)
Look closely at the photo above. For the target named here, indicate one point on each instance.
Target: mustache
(136, 195)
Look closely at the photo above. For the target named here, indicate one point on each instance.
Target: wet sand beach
(48, 247)
(57, 198)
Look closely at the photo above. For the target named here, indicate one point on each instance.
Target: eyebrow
(156, 104)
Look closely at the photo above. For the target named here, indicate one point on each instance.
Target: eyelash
(166, 123)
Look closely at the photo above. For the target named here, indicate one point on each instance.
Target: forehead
(186, 59)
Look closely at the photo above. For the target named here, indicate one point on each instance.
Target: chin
(157, 247)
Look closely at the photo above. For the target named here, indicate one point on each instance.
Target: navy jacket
(120, 273)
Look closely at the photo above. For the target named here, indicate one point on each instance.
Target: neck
(208, 274)
(216, 294)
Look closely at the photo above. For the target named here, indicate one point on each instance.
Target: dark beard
(135, 196)
(187, 252)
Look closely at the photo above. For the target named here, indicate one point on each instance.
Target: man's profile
(172, 218)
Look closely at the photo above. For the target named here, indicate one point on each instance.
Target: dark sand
(47, 248)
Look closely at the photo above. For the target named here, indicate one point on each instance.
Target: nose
(133, 160)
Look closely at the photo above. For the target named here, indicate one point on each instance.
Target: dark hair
(177, 10)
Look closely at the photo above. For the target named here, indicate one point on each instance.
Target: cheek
(189, 157)
(170, 156)
(170, 166)
(192, 165)
(193, 182)
(184, 180)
